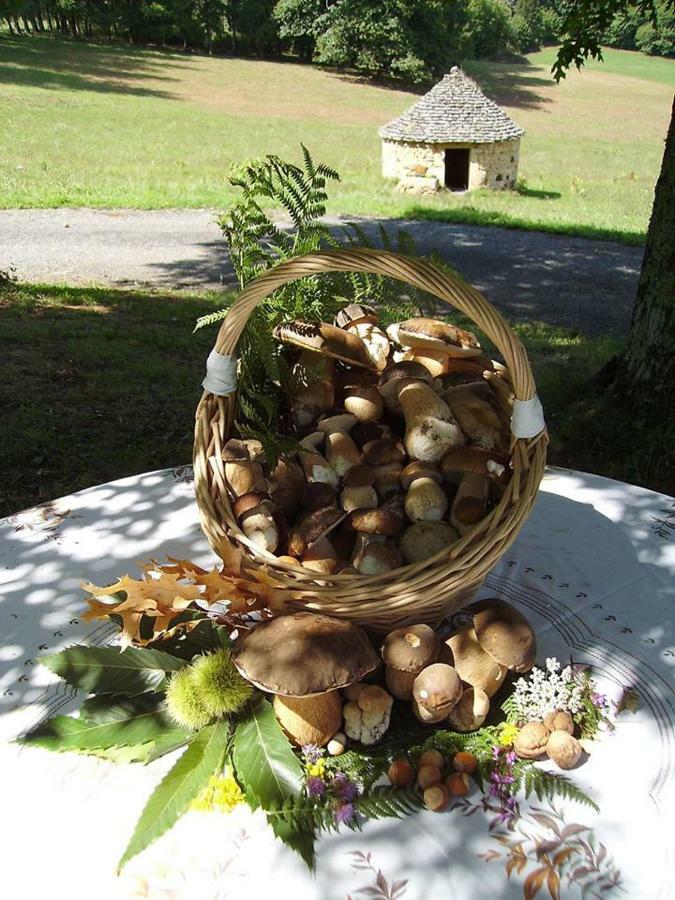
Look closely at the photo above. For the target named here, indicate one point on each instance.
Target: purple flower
(599, 700)
(315, 786)
(496, 751)
(344, 813)
(510, 757)
(311, 752)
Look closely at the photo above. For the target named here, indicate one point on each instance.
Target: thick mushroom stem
(474, 665)
(317, 468)
(341, 452)
(365, 403)
(357, 489)
(470, 503)
(477, 418)
(259, 525)
(310, 720)
(431, 429)
(425, 501)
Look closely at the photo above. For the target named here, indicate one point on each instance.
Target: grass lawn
(87, 125)
(120, 377)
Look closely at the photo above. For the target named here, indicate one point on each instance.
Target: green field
(103, 126)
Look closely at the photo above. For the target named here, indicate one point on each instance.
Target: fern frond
(548, 785)
(389, 802)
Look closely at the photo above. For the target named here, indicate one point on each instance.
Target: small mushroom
(471, 711)
(317, 495)
(244, 477)
(474, 664)
(470, 503)
(425, 500)
(531, 740)
(365, 403)
(563, 749)
(423, 332)
(425, 539)
(395, 377)
(337, 745)
(377, 558)
(382, 520)
(259, 525)
(357, 489)
(383, 452)
(436, 690)
(364, 432)
(477, 419)
(457, 462)
(367, 719)
(311, 528)
(341, 452)
(406, 651)
(388, 480)
(287, 481)
(338, 422)
(505, 634)
(320, 557)
(317, 468)
(305, 658)
(431, 429)
(363, 321)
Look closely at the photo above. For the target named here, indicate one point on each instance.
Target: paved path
(585, 285)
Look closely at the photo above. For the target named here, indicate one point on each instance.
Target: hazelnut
(436, 798)
(428, 775)
(559, 721)
(464, 762)
(531, 740)
(563, 749)
(401, 773)
(337, 744)
(431, 758)
(458, 784)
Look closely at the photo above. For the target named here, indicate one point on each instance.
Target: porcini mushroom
(304, 658)
(320, 337)
(341, 452)
(363, 321)
(470, 503)
(357, 489)
(474, 664)
(258, 524)
(406, 651)
(436, 690)
(477, 419)
(473, 459)
(320, 556)
(311, 528)
(425, 500)
(365, 403)
(377, 558)
(317, 468)
(423, 332)
(382, 520)
(367, 718)
(311, 388)
(505, 634)
(395, 377)
(242, 475)
(471, 711)
(287, 481)
(425, 539)
(431, 429)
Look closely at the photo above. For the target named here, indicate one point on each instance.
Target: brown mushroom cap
(359, 476)
(314, 526)
(419, 469)
(304, 653)
(381, 520)
(317, 495)
(411, 648)
(505, 634)
(437, 688)
(383, 452)
(475, 666)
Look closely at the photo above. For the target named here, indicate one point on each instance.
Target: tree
(645, 370)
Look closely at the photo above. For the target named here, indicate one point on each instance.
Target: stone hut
(453, 137)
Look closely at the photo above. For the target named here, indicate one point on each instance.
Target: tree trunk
(647, 366)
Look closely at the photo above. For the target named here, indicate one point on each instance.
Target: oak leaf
(160, 599)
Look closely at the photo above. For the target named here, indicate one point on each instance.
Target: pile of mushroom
(402, 446)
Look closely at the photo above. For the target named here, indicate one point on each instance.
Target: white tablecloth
(594, 571)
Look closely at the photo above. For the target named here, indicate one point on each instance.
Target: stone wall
(492, 166)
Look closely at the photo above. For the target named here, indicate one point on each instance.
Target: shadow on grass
(472, 216)
(525, 191)
(115, 393)
(56, 64)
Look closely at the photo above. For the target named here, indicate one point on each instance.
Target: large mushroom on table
(501, 640)
(304, 659)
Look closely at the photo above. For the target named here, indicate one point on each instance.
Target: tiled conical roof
(454, 111)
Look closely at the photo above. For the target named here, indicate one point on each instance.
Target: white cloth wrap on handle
(527, 418)
(221, 374)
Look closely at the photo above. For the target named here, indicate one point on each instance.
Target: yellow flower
(508, 734)
(317, 769)
(221, 792)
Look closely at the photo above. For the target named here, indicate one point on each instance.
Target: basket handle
(422, 274)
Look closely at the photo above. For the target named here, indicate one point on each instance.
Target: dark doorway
(457, 169)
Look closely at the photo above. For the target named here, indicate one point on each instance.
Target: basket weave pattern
(422, 592)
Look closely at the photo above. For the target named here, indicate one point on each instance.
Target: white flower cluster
(546, 691)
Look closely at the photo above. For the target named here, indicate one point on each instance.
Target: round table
(594, 571)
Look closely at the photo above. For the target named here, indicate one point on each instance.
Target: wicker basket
(422, 592)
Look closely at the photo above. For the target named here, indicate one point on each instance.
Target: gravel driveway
(573, 282)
